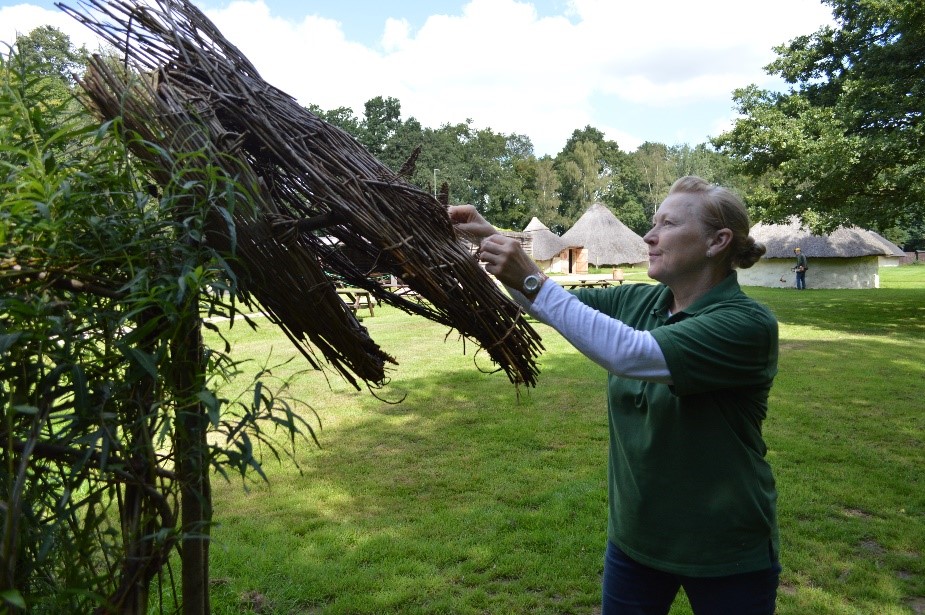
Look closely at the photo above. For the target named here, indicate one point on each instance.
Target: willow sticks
(183, 86)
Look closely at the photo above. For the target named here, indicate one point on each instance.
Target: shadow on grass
(847, 441)
(463, 499)
(875, 312)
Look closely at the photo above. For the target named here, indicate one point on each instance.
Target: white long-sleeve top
(615, 346)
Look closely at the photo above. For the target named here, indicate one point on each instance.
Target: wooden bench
(357, 298)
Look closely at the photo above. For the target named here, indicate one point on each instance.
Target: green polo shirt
(690, 490)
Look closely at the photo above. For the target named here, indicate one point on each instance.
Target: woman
(691, 362)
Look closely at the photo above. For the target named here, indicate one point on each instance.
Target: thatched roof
(892, 248)
(188, 91)
(844, 242)
(608, 241)
(545, 244)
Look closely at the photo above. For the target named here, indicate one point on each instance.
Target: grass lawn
(472, 497)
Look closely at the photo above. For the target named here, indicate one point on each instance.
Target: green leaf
(8, 339)
(13, 597)
(144, 359)
(232, 228)
(212, 404)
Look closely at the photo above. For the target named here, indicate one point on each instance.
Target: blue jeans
(801, 280)
(630, 588)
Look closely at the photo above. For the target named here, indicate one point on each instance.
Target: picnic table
(357, 298)
(572, 284)
(402, 290)
(395, 286)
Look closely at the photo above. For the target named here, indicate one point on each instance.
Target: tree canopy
(845, 143)
(842, 145)
(503, 178)
(49, 52)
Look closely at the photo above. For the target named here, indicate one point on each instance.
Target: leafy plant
(107, 393)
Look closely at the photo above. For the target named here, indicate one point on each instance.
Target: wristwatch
(533, 282)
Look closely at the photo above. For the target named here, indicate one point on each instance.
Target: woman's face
(678, 242)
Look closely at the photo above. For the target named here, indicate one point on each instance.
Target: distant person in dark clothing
(800, 268)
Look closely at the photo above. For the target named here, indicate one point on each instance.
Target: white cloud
(503, 66)
(500, 64)
(397, 32)
(23, 18)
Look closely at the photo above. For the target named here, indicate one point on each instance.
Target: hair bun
(749, 254)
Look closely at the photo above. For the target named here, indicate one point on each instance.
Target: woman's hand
(506, 259)
(469, 223)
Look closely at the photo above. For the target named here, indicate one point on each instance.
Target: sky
(637, 70)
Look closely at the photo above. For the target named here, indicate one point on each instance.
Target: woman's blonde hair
(720, 208)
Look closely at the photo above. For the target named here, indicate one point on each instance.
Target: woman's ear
(721, 240)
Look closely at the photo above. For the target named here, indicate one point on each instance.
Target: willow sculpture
(185, 88)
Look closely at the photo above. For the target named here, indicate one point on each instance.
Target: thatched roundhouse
(848, 258)
(546, 248)
(605, 240)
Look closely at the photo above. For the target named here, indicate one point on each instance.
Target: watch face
(531, 283)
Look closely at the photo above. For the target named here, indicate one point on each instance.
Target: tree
(443, 161)
(52, 63)
(585, 172)
(50, 53)
(845, 142)
(106, 391)
(581, 171)
(702, 161)
(515, 173)
(489, 175)
(381, 120)
(652, 177)
(542, 190)
(342, 117)
(408, 135)
(480, 167)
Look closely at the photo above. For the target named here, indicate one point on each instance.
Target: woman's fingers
(469, 222)
(505, 259)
